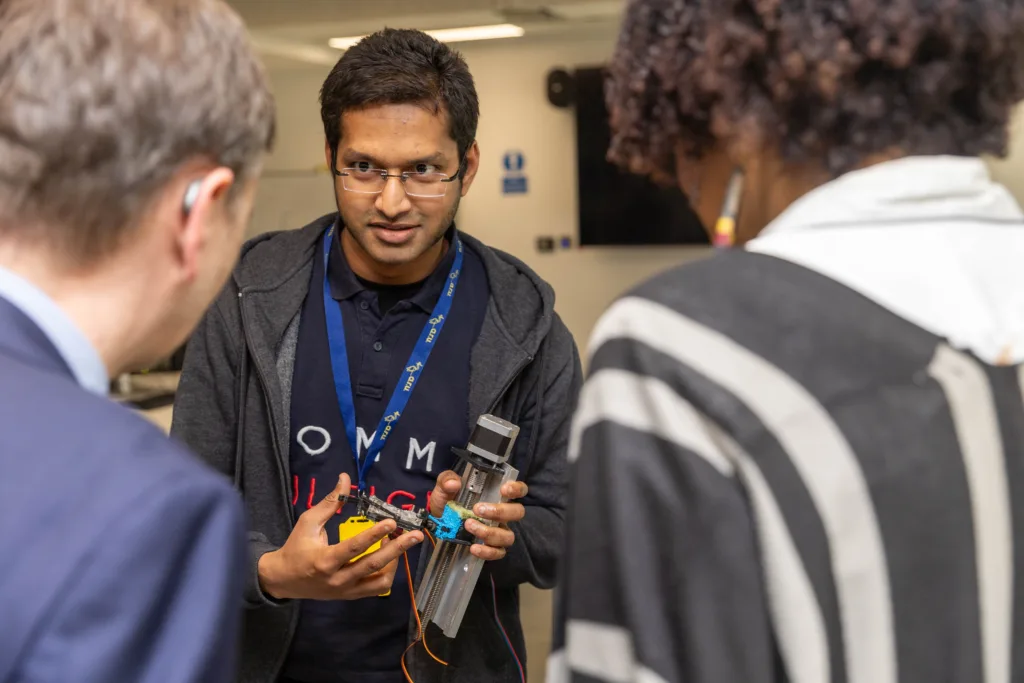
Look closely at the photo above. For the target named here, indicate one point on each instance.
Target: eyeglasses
(369, 180)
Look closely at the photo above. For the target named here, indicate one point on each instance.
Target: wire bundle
(422, 636)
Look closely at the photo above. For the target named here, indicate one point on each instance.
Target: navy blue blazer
(121, 556)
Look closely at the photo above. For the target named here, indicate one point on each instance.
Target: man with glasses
(303, 364)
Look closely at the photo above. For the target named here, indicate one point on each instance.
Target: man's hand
(306, 567)
(495, 538)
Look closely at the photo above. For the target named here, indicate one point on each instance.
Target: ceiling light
(459, 35)
(300, 52)
(449, 35)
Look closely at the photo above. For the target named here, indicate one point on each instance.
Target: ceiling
(295, 32)
(270, 14)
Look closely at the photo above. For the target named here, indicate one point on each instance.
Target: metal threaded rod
(444, 563)
(473, 488)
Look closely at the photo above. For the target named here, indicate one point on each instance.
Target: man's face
(392, 227)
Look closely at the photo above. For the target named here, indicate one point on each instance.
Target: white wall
(515, 115)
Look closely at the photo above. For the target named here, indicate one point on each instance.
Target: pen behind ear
(725, 226)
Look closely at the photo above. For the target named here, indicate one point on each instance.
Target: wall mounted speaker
(561, 88)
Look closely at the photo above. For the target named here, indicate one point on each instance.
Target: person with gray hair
(132, 133)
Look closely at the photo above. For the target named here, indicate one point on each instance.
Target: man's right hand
(307, 567)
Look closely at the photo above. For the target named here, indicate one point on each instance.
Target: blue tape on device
(451, 525)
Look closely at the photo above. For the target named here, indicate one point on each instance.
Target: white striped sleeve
(661, 580)
(805, 430)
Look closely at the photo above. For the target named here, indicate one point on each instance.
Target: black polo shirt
(362, 641)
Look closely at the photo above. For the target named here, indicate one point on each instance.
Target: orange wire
(419, 624)
(404, 670)
(412, 596)
(432, 655)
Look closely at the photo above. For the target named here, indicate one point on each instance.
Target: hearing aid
(191, 195)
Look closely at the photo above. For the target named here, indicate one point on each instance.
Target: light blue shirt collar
(79, 354)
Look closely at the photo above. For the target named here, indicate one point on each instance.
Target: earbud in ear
(191, 195)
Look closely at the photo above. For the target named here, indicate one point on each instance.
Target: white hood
(932, 239)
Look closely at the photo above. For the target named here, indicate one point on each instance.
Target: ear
(472, 165)
(206, 215)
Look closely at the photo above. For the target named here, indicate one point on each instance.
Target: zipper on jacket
(261, 375)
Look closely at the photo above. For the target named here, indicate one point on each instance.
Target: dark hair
(398, 66)
(829, 81)
(104, 100)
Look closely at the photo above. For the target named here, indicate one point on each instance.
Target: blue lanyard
(414, 367)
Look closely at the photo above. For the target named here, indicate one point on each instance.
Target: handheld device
(453, 571)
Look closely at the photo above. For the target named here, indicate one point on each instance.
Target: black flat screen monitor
(617, 207)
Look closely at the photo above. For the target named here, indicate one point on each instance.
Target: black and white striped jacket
(777, 478)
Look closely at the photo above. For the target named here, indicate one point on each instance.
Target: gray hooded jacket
(232, 409)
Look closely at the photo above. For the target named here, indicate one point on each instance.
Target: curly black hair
(825, 81)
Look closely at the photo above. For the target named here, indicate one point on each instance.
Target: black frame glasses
(402, 177)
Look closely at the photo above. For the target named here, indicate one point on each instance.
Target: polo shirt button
(363, 305)
(377, 346)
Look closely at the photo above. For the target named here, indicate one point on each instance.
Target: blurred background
(544, 192)
(526, 197)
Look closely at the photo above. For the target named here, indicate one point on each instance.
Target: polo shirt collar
(345, 285)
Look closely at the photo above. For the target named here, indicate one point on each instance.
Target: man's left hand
(496, 539)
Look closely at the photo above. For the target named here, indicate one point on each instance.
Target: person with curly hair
(802, 458)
